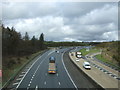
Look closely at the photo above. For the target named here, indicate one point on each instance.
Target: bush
(27, 57)
(11, 63)
(18, 58)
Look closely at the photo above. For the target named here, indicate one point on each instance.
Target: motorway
(67, 76)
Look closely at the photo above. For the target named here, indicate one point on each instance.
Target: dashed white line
(28, 84)
(36, 88)
(45, 82)
(31, 67)
(57, 74)
(32, 77)
(27, 88)
(59, 83)
(28, 71)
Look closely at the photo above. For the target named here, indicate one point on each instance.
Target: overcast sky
(64, 21)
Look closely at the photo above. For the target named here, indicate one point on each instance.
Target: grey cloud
(64, 21)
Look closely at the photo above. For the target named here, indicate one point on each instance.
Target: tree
(34, 43)
(26, 37)
(41, 41)
(33, 40)
(41, 38)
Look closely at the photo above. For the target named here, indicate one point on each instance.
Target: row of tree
(58, 44)
(14, 44)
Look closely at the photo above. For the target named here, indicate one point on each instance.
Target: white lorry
(78, 54)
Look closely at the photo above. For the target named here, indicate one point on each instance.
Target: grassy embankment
(100, 57)
(104, 57)
(92, 50)
(10, 73)
(110, 53)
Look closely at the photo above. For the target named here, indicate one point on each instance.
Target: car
(57, 51)
(86, 65)
(78, 56)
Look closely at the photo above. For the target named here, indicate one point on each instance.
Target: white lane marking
(41, 63)
(36, 88)
(51, 52)
(28, 84)
(27, 88)
(45, 82)
(23, 72)
(28, 71)
(21, 75)
(57, 74)
(59, 83)
(38, 67)
(46, 74)
(18, 78)
(31, 67)
(32, 77)
(15, 83)
(68, 73)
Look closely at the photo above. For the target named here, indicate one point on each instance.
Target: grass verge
(92, 50)
(10, 73)
(100, 57)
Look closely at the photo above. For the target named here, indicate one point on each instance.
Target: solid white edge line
(31, 67)
(27, 72)
(68, 73)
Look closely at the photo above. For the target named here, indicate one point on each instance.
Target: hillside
(111, 51)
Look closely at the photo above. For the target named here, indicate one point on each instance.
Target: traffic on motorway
(53, 69)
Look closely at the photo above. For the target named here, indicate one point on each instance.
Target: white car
(86, 65)
(57, 51)
(78, 56)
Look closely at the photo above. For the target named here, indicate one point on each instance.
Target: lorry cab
(52, 59)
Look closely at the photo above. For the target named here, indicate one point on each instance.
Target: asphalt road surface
(67, 76)
(79, 78)
(38, 77)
